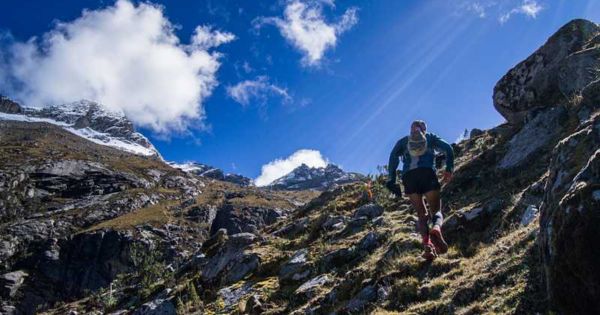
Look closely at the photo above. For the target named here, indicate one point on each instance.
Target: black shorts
(420, 181)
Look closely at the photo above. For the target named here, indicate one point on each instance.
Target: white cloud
(304, 26)
(281, 167)
(529, 7)
(259, 89)
(504, 10)
(204, 38)
(124, 56)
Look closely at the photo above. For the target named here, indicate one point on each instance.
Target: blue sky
(384, 64)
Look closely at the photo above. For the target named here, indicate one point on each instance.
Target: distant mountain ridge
(208, 171)
(315, 178)
(86, 119)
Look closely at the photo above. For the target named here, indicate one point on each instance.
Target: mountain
(90, 229)
(86, 119)
(304, 177)
(208, 171)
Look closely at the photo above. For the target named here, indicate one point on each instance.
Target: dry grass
(155, 215)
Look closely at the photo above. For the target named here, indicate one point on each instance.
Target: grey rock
(369, 242)
(247, 219)
(536, 134)
(232, 295)
(293, 229)
(296, 268)
(309, 288)
(351, 254)
(354, 225)
(159, 306)
(549, 77)
(530, 214)
(11, 282)
(359, 302)
(230, 263)
(569, 220)
(332, 222)
(370, 211)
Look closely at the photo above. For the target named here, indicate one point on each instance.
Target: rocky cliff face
(76, 215)
(96, 230)
(318, 178)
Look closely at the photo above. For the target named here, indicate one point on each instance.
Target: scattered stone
(11, 282)
(359, 302)
(370, 211)
(293, 229)
(232, 295)
(297, 268)
(333, 222)
(530, 214)
(159, 306)
(308, 288)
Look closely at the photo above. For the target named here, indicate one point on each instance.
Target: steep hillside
(88, 229)
(73, 212)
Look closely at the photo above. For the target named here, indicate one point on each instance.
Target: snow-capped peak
(319, 178)
(86, 119)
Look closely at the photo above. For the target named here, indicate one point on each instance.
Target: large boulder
(569, 221)
(244, 219)
(231, 263)
(552, 75)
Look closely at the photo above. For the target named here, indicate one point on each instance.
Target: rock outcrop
(569, 222)
(553, 75)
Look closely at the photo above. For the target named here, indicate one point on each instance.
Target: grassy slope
(491, 270)
(496, 274)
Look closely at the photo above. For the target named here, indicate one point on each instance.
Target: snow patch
(87, 133)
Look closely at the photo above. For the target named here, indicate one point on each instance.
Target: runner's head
(418, 126)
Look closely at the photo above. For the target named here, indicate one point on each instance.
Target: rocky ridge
(208, 171)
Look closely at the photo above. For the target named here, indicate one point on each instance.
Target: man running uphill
(420, 180)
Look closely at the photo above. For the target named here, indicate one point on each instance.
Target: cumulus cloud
(259, 89)
(529, 8)
(281, 167)
(305, 27)
(124, 56)
(204, 37)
